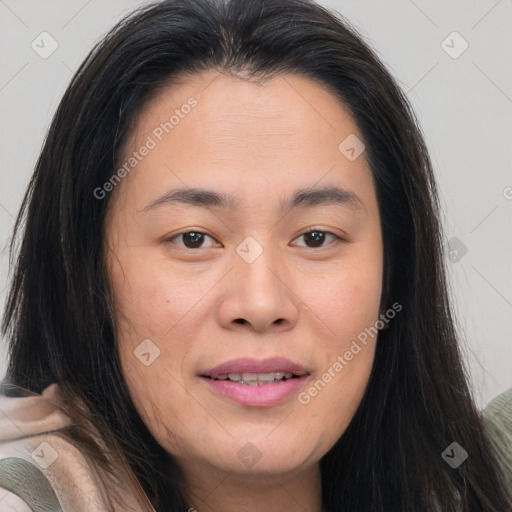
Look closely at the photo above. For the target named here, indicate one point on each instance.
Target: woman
(230, 289)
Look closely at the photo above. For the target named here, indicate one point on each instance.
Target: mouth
(254, 383)
(255, 372)
(256, 379)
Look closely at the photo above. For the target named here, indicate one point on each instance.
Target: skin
(300, 300)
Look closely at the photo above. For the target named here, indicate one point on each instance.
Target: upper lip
(249, 365)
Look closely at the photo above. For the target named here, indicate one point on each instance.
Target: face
(268, 273)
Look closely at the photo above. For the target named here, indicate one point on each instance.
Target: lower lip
(256, 396)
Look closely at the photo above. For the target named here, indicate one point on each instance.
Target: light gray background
(464, 105)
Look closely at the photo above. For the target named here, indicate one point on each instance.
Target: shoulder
(37, 460)
(36, 445)
(497, 418)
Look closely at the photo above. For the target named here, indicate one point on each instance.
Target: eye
(316, 238)
(191, 239)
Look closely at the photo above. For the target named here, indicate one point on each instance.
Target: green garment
(497, 418)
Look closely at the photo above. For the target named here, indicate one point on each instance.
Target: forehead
(213, 130)
(287, 103)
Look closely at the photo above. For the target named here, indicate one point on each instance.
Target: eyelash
(311, 230)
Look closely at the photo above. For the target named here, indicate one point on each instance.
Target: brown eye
(316, 237)
(191, 239)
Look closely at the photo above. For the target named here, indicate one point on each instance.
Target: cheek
(347, 305)
(333, 395)
(333, 398)
(161, 401)
(151, 298)
(156, 304)
(345, 300)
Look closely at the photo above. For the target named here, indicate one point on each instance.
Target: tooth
(263, 377)
(253, 379)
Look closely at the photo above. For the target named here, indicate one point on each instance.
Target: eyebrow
(302, 198)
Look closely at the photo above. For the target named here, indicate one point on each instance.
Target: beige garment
(29, 429)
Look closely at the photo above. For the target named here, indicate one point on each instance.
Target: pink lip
(256, 396)
(276, 364)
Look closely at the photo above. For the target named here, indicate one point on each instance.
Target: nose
(260, 295)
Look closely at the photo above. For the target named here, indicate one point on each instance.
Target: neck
(210, 490)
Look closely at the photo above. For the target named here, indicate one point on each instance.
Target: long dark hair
(59, 316)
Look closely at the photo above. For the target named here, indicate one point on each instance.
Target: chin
(275, 453)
